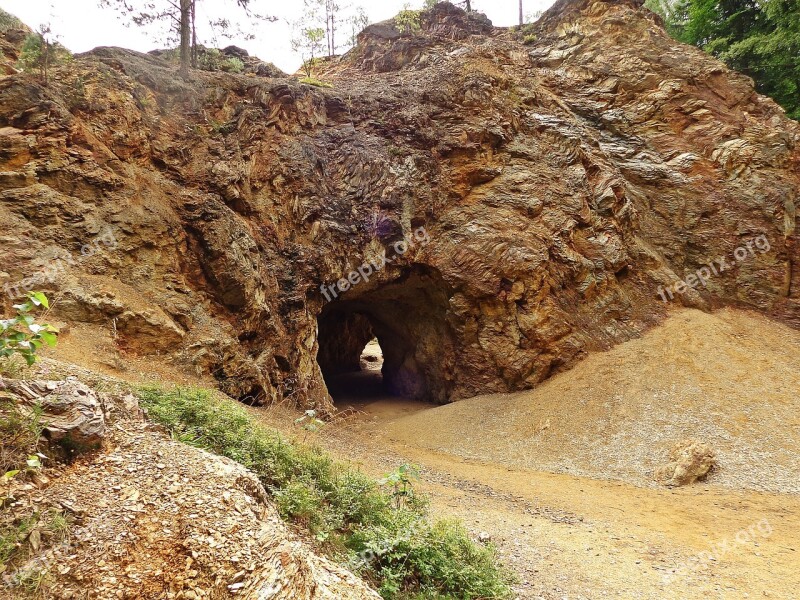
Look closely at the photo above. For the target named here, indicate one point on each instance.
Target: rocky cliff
(492, 204)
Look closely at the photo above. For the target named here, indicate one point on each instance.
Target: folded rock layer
(491, 204)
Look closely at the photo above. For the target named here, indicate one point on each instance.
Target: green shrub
(408, 20)
(350, 515)
(232, 65)
(211, 59)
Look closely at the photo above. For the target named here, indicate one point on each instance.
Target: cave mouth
(388, 341)
(349, 383)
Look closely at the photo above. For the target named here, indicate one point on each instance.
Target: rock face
(494, 209)
(689, 461)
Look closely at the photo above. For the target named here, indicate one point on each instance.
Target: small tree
(181, 19)
(308, 43)
(40, 52)
(358, 22)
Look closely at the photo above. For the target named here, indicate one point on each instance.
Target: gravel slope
(730, 379)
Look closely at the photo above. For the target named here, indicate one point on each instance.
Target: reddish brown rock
(559, 185)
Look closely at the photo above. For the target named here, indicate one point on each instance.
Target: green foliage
(22, 334)
(233, 65)
(39, 53)
(358, 22)
(760, 38)
(348, 513)
(529, 39)
(408, 20)
(308, 42)
(211, 59)
(310, 422)
(12, 536)
(9, 21)
(401, 482)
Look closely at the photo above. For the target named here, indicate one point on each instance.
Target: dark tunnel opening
(388, 340)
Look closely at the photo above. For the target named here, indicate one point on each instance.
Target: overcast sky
(81, 25)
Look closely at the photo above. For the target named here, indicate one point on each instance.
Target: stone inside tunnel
(407, 317)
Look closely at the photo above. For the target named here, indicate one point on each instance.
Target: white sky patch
(82, 25)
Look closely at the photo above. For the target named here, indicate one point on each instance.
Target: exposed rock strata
(561, 184)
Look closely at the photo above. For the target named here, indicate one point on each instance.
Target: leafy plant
(408, 20)
(211, 59)
(310, 422)
(348, 514)
(19, 443)
(401, 482)
(22, 334)
(232, 65)
(308, 42)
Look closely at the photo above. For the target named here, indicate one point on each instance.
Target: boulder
(71, 413)
(689, 461)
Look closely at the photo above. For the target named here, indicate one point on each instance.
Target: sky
(82, 25)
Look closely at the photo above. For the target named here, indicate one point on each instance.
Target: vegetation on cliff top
(758, 38)
(350, 517)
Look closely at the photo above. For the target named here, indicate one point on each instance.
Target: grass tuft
(349, 515)
(315, 82)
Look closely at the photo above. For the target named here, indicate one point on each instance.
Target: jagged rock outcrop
(531, 201)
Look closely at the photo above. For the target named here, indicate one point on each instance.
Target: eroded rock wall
(563, 186)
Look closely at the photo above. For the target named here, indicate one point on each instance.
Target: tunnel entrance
(391, 340)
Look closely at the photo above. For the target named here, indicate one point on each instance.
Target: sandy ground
(560, 477)
(731, 380)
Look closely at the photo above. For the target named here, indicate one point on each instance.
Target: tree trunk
(194, 34)
(521, 17)
(328, 25)
(186, 34)
(469, 6)
(46, 44)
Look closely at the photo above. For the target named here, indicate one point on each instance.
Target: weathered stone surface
(71, 413)
(558, 184)
(689, 461)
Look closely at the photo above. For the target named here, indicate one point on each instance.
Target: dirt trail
(606, 530)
